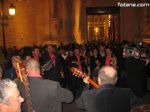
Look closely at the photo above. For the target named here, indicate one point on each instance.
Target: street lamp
(4, 19)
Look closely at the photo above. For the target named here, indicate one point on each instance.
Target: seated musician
(10, 99)
(107, 98)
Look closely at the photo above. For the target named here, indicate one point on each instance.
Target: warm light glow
(76, 29)
(12, 10)
(96, 29)
(100, 27)
(109, 16)
(109, 23)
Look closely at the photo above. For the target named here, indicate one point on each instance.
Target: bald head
(33, 67)
(107, 75)
(32, 64)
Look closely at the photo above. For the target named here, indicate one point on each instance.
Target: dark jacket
(136, 78)
(54, 72)
(46, 95)
(107, 98)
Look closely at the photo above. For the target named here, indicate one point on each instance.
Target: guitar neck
(96, 86)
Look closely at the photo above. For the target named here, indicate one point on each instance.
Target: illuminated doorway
(103, 24)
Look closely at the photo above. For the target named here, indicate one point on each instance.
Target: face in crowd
(36, 52)
(102, 48)
(95, 52)
(108, 52)
(50, 48)
(11, 100)
(15, 100)
(77, 52)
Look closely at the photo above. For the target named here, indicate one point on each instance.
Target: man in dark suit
(136, 78)
(76, 61)
(45, 95)
(107, 98)
(55, 72)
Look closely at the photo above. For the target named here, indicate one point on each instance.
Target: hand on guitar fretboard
(79, 73)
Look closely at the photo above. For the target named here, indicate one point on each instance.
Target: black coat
(136, 79)
(76, 84)
(54, 72)
(107, 98)
(46, 95)
(71, 61)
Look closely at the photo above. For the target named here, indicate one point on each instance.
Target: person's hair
(106, 78)
(4, 85)
(33, 64)
(35, 47)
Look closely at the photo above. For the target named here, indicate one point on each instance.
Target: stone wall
(38, 21)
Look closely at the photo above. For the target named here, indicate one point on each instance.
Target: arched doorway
(103, 23)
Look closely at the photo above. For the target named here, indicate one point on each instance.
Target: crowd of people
(50, 81)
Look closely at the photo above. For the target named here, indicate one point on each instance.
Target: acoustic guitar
(22, 75)
(79, 73)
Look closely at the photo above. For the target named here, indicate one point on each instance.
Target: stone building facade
(64, 21)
